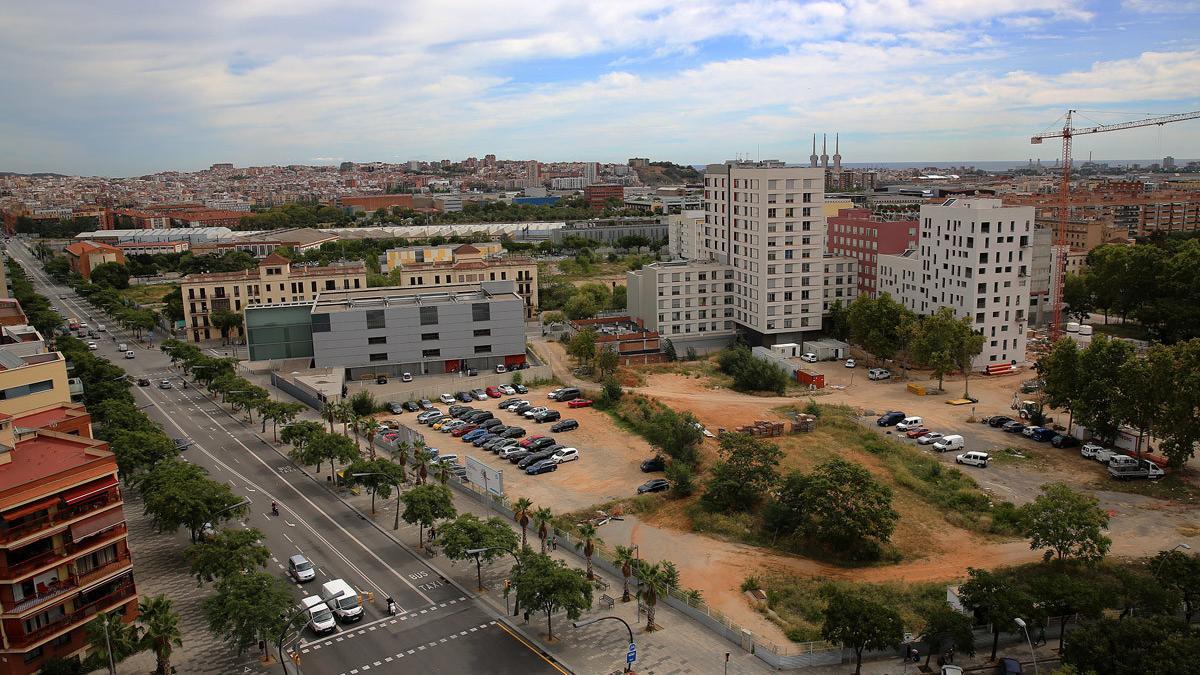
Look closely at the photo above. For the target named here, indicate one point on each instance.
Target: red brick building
(85, 256)
(597, 196)
(856, 233)
(371, 203)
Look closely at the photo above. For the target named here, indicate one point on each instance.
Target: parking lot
(607, 467)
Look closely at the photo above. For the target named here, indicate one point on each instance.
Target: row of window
(429, 353)
(253, 289)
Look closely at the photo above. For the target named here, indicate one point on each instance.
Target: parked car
(655, 485)
(1013, 427)
(544, 466)
(406, 377)
(463, 430)
(489, 436)
(506, 402)
(501, 368)
(916, 433)
(458, 410)
(434, 416)
(974, 458)
(879, 374)
(426, 404)
(564, 425)
(395, 407)
(544, 442)
(516, 454)
(465, 397)
(521, 389)
(521, 409)
(808, 357)
(1064, 441)
(1089, 450)
(529, 440)
(890, 418)
(655, 463)
(580, 403)
(1042, 434)
(566, 394)
(479, 394)
(998, 421)
(492, 392)
(382, 379)
(508, 451)
(513, 432)
(910, 422)
(411, 406)
(534, 412)
(492, 423)
(473, 434)
(512, 407)
(507, 390)
(850, 363)
(565, 455)
(495, 443)
(547, 416)
(949, 443)
(930, 438)
(532, 457)
(447, 398)
(92, 346)
(1104, 455)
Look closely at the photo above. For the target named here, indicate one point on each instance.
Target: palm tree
(370, 427)
(422, 458)
(521, 509)
(587, 542)
(161, 626)
(109, 632)
(330, 413)
(402, 459)
(542, 518)
(625, 559)
(442, 472)
(653, 583)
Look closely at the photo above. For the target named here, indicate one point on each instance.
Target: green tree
(625, 559)
(682, 477)
(225, 321)
(668, 349)
(611, 391)
(179, 494)
(996, 600)
(277, 413)
(1133, 646)
(1180, 572)
(607, 361)
(109, 636)
(838, 325)
(1077, 297)
(583, 346)
(332, 448)
(934, 341)
(967, 346)
(1179, 425)
(1070, 525)
(859, 623)
(587, 543)
(469, 532)
(944, 626)
(297, 435)
(248, 609)
(378, 476)
(875, 324)
(522, 510)
(751, 373)
(580, 306)
(744, 476)
(1097, 407)
(230, 551)
(362, 403)
(843, 506)
(160, 630)
(1060, 372)
(427, 504)
(544, 519)
(655, 580)
(543, 583)
(678, 434)
(138, 451)
(110, 275)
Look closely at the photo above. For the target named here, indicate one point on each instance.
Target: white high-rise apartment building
(591, 173)
(975, 256)
(765, 220)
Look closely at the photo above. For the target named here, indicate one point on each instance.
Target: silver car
(300, 569)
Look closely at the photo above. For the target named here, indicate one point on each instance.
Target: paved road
(439, 629)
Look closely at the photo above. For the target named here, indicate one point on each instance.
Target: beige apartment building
(841, 281)
(453, 268)
(686, 301)
(275, 280)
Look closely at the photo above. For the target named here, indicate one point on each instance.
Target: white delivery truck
(343, 600)
(320, 619)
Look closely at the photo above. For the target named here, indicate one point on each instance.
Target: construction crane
(1064, 195)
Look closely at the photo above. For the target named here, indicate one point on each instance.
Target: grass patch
(1170, 487)
(150, 294)
(1131, 331)
(797, 605)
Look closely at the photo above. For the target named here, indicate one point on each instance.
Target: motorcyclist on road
(274, 508)
(391, 607)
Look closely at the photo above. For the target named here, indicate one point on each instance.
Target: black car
(491, 423)
(513, 432)
(1064, 441)
(521, 389)
(1013, 427)
(464, 397)
(426, 404)
(457, 411)
(520, 410)
(181, 443)
(518, 456)
(495, 442)
(143, 382)
(565, 425)
(540, 443)
(382, 379)
(534, 457)
(411, 406)
(999, 421)
(479, 416)
(507, 401)
(395, 407)
(548, 416)
(655, 463)
(542, 467)
(890, 419)
(656, 485)
(478, 442)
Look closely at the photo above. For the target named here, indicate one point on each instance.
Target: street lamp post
(1021, 622)
(1158, 567)
(581, 624)
(517, 566)
(395, 525)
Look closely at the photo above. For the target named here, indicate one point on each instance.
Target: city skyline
(121, 92)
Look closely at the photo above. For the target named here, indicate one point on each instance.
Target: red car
(529, 440)
(464, 430)
(916, 433)
(579, 403)
(493, 392)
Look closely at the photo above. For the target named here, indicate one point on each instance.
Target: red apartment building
(370, 203)
(597, 196)
(856, 233)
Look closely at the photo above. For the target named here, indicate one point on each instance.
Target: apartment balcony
(12, 534)
(14, 572)
(47, 592)
(19, 638)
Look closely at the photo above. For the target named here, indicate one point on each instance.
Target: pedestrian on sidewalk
(554, 543)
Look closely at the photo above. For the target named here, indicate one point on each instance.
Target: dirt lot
(607, 468)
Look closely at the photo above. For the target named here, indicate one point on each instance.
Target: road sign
(632, 655)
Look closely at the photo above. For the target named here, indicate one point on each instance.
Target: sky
(121, 88)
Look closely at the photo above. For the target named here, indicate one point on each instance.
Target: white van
(1122, 461)
(908, 423)
(100, 327)
(320, 619)
(808, 357)
(342, 599)
(122, 347)
(947, 443)
(1103, 455)
(974, 458)
(129, 354)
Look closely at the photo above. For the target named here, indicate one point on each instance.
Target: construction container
(811, 377)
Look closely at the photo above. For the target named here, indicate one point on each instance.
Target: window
(483, 332)
(429, 336)
(26, 389)
(330, 284)
(379, 357)
(430, 353)
(483, 349)
(381, 340)
(429, 316)
(481, 311)
(320, 323)
(375, 319)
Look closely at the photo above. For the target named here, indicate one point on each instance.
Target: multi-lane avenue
(440, 628)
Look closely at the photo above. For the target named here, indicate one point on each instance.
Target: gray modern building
(390, 331)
